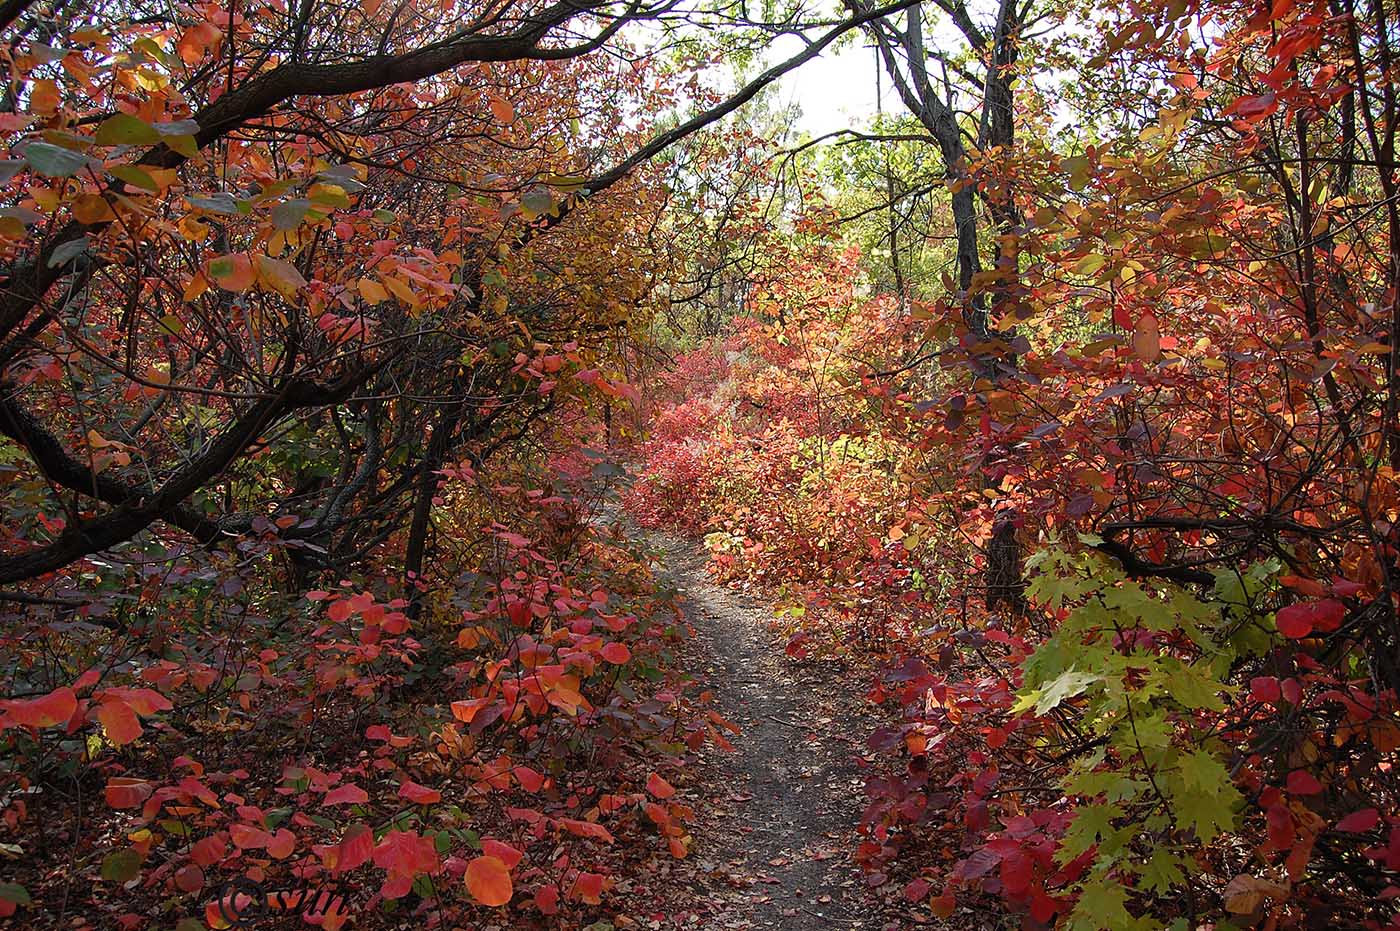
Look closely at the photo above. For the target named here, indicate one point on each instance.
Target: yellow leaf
(280, 276)
(92, 208)
(372, 291)
(401, 291)
(197, 286)
(193, 229)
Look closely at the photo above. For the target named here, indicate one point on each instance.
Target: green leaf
(1091, 822)
(9, 168)
(1163, 870)
(289, 214)
(221, 202)
(537, 203)
(121, 866)
(1064, 686)
(1200, 770)
(54, 161)
(125, 129)
(1189, 686)
(185, 145)
(15, 893)
(1090, 264)
(134, 176)
(1101, 906)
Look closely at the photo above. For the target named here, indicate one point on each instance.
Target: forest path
(776, 817)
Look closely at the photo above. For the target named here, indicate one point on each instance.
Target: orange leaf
(144, 702)
(55, 708)
(659, 787)
(231, 272)
(372, 291)
(1147, 339)
(502, 110)
(488, 880)
(464, 711)
(616, 653)
(119, 721)
(44, 97)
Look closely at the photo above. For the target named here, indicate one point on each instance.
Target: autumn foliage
(1186, 409)
(322, 325)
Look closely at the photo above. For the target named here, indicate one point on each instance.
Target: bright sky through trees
(835, 91)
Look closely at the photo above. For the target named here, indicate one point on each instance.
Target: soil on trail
(777, 816)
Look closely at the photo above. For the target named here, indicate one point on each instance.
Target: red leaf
(127, 793)
(501, 851)
(519, 612)
(209, 850)
(1359, 821)
(1265, 688)
(1301, 782)
(354, 850)
(282, 844)
(588, 888)
(406, 855)
(419, 795)
(1253, 109)
(529, 780)
(348, 794)
(1280, 824)
(247, 837)
(1300, 620)
(547, 899)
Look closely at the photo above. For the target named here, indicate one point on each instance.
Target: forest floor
(777, 815)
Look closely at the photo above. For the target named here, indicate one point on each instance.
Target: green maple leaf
(1064, 686)
(1091, 822)
(1101, 906)
(1202, 771)
(1162, 871)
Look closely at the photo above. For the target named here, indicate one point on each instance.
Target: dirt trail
(777, 822)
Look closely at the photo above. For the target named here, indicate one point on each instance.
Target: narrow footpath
(777, 815)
